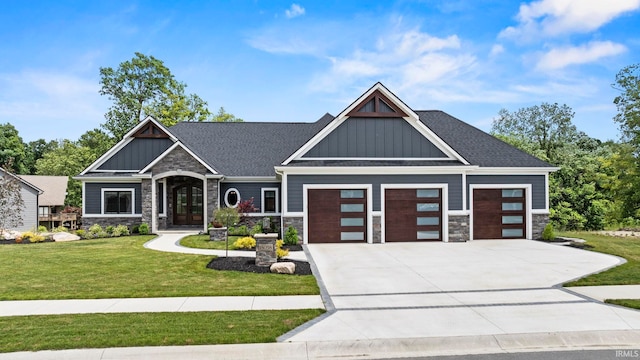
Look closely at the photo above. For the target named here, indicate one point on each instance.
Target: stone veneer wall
(377, 229)
(296, 222)
(538, 222)
(146, 201)
(110, 221)
(458, 228)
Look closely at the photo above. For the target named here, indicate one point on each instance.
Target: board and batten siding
(375, 138)
(248, 191)
(295, 185)
(29, 211)
(538, 186)
(137, 154)
(93, 195)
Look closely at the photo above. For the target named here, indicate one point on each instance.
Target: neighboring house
(378, 172)
(29, 211)
(51, 202)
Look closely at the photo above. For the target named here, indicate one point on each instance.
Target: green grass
(55, 332)
(630, 303)
(122, 267)
(628, 248)
(203, 242)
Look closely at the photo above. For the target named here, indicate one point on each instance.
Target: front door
(188, 203)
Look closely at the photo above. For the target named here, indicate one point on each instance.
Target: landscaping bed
(248, 264)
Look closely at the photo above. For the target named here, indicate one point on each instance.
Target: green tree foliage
(12, 149)
(67, 159)
(145, 86)
(223, 116)
(547, 126)
(35, 150)
(628, 104)
(97, 141)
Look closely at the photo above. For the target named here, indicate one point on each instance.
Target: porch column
(154, 208)
(205, 217)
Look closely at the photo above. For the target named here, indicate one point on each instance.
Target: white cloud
(556, 17)
(559, 58)
(294, 11)
(496, 50)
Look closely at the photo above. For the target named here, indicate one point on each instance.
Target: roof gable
(377, 102)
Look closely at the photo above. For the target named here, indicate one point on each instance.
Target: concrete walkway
(169, 241)
(604, 292)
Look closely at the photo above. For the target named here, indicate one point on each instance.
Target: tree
(628, 104)
(11, 202)
(97, 141)
(223, 116)
(68, 159)
(35, 150)
(145, 86)
(548, 126)
(11, 149)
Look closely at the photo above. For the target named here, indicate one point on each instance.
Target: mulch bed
(13, 241)
(248, 264)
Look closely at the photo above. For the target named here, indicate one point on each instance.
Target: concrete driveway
(410, 290)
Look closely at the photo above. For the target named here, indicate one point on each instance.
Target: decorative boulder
(10, 235)
(283, 268)
(65, 236)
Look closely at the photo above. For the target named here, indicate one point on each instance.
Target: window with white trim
(43, 211)
(232, 197)
(161, 191)
(117, 201)
(270, 200)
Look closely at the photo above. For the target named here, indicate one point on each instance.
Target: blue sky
(295, 61)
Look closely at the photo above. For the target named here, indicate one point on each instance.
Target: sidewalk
(169, 241)
(603, 292)
(169, 304)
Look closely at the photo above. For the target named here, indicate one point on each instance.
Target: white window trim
(226, 201)
(305, 205)
(163, 213)
(527, 199)
(262, 193)
(133, 202)
(444, 189)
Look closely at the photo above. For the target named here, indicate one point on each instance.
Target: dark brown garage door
(499, 214)
(413, 215)
(337, 215)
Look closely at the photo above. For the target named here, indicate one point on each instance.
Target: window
(270, 200)
(428, 207)
(351, 235)
(160, 191)
(43, 211)
(428, 235)
(428, 193)
(512, 219)
(351, 194)
(427, 221)
(117, 201)
(232, 197)
(512, 233)
(511, 206)
(517, 193)
(351, 222)
(351, 207)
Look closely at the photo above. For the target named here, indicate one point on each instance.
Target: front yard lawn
(626, 247)
(55, 332)
(203, 242)
(630, 303)
(123, 268)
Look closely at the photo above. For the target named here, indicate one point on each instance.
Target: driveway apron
(409, 290)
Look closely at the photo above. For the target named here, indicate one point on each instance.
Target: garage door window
(351, 222)
(426, 221)
(351, 236)
(351, 194)
(351, 207)
(512, 233)
(428, 207)
(512, 219)
(512, 193)
(512, 206)
(428, 235)
(428, 193)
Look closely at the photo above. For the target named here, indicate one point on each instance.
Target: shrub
(143, 229)
(256, 229)
(102, 234)
(280, 252)
(42, 228)
(246, 242)
(239, 231)
(81, 233)
(32, 237)
(95, 229)
(59, 229)
(135, 229)
(226, 216)
(245, 207)
(121, 230)
(291, 236)
(548, 234)
(109, 229)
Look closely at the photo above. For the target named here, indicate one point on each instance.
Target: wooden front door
(499, 214)
(188, 203)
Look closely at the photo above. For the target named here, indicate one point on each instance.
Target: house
(29, 211)
(51, 207)
(377, 172)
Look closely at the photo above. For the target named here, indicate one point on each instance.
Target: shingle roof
(476, 146)
(246, 148)
(54, 188)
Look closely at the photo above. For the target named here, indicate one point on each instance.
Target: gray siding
(93, 194)
(538, 186)
(137, 154)
(249, 190)
(375, 137)
(295, 183)
(29, 211)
